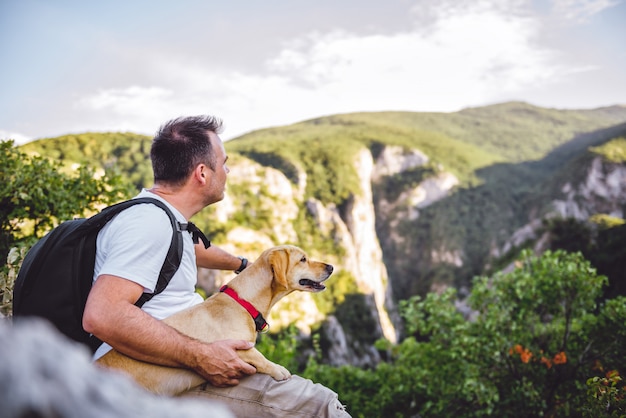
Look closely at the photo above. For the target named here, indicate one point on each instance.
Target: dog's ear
(279, 261)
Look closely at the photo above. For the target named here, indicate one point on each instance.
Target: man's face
(216, 182)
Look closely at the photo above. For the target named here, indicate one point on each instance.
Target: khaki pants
(260, 396)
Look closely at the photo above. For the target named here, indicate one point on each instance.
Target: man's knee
(260, 395)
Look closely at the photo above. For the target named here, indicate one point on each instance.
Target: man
(189, 164)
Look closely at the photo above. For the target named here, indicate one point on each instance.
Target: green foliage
(327, 159)
(343, 284)
(463, 222)
(613, 151)
(423, 131)
(254, 208)
(528, 154)
(602, 241)
(607, 396)
(126, 153)
(311, 238)
(36, 193)
(276, 161)
(282, 347)
(366, 394)
(355, 316)
(216, 231)
(536, 336)
(604, 221)
(542, 314)
(392, 186)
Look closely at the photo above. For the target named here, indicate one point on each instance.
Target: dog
(276, 273)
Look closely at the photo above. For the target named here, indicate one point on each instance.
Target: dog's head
(293, 270)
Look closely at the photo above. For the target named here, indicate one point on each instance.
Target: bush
(536, 338)
(37, 193)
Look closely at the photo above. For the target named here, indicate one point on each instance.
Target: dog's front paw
(280, 373)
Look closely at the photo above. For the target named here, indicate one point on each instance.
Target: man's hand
(220, 364)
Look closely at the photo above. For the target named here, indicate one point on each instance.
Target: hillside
(401, 203)
(503, 155)
(126, 152)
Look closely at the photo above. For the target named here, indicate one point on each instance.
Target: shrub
(536, 337)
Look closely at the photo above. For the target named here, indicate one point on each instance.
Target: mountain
(402, 203)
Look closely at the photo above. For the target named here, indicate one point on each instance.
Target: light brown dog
(275, 274)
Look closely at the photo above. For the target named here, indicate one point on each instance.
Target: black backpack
(57, 273)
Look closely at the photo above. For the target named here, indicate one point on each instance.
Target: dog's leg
(263, 365)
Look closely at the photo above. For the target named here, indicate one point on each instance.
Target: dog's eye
(303, 259)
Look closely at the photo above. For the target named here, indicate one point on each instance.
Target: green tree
(535, 337)
(537, 319)
(35, 189)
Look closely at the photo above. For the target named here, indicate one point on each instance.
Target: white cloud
(124, 100)
(466, 56)
(15, 136)
(460, 53)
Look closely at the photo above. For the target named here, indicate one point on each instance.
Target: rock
(394, 159)
(43, 374)
(603, 190)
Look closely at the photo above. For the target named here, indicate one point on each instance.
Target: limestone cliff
(602, 190)
(599, 189)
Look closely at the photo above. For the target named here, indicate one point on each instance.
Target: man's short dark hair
(180, 145)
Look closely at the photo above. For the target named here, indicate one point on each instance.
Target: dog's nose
(329, 268)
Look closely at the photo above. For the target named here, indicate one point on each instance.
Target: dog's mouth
(314, 286)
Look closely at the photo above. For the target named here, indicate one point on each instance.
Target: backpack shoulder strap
(174, 253)
(173, 257)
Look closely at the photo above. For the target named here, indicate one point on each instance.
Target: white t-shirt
(133, 246)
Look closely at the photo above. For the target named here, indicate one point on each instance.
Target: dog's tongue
(312, 284)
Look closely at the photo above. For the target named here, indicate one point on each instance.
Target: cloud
(17, 137)
(466, 55)
(459, 53)
(125, 100)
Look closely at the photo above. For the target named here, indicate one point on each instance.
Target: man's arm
(110, 314)
(216, 258)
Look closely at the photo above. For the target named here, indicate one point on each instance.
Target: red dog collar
(260, 322)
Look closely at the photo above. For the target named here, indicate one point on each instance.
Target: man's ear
(201, 173)
(279, 262)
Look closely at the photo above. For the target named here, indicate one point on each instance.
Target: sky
(73, 66)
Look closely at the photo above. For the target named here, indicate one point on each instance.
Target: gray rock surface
(43, 374)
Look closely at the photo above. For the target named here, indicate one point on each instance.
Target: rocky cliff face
(600, 190)
(367, 257)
